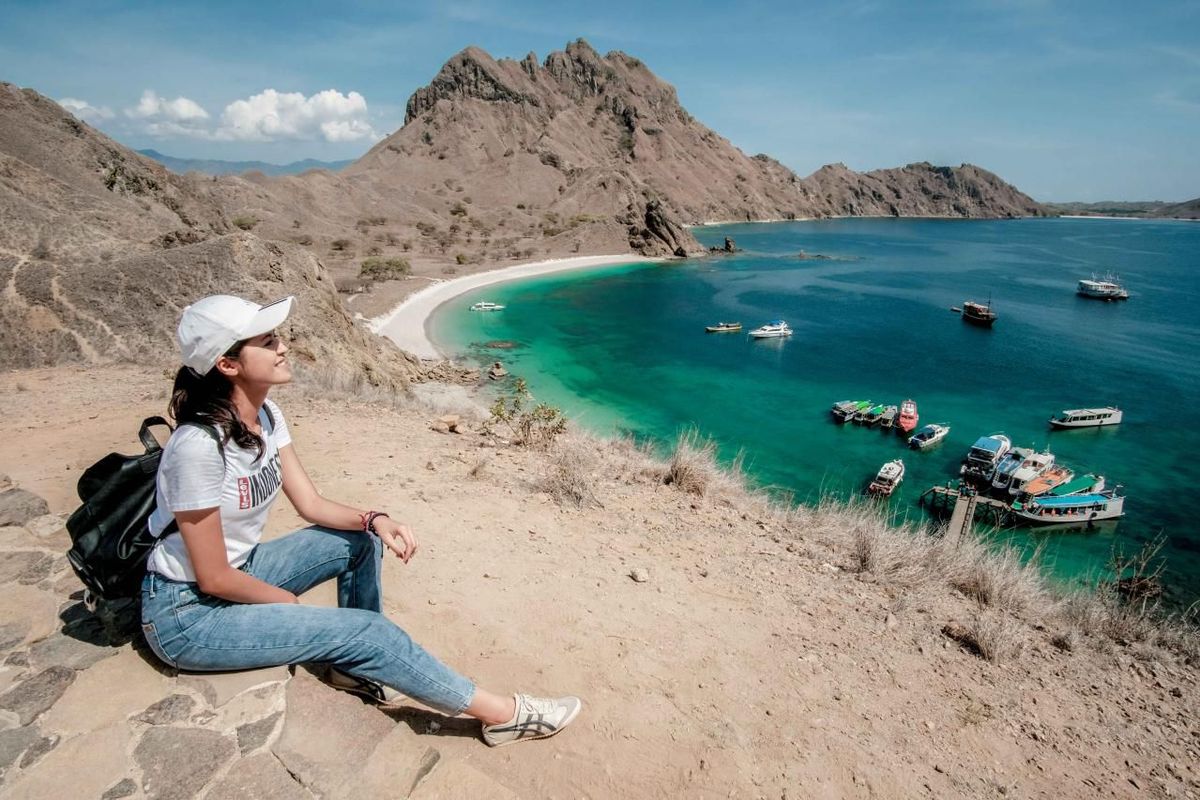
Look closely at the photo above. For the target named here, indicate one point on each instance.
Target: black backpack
(110, 532)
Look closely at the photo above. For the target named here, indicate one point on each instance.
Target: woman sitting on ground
(215, 598)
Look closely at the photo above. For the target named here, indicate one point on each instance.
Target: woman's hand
(397, 537)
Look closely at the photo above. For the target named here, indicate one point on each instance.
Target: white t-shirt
(192, 476)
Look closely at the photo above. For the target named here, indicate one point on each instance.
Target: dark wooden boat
(980, 314)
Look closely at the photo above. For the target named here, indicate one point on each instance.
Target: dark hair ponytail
(205, 400)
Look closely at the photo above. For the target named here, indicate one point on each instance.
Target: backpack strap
(266, 418)
(148, 441)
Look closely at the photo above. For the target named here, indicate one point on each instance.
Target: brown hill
(498, 160)
(101, 249)
(1189, 209)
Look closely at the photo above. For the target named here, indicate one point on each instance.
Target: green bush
(246, 223)
(384, 269)
(340, 244)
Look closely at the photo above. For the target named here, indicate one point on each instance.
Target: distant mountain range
(214, 166)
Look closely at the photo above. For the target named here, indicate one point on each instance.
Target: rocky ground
(722, 649)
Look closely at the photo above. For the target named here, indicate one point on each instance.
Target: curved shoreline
(407, 323)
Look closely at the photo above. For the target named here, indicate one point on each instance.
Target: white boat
(1071, 509)
(1008, 465)
(1107, 288)
(984, 455)
(486, 306)
(1087, 417)
(1030, 469)
(772, 330)
(928, 436)
(888, 478)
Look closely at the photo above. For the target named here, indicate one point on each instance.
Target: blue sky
(1066, 100)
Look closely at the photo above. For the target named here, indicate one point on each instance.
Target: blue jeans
(191, 630)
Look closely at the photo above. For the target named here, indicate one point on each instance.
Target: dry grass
(995, 635)
(571, 473)
(333, 383)
(693, 468)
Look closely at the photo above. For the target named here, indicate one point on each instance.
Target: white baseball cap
(209, 327)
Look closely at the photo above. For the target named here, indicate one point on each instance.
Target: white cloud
(85, 110)
(271, 115)
(181, 110)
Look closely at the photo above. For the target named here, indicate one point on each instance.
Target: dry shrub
(629, 461)
(571, 472)
(693, 468)
(477, 469)
(897, 556)
(991, 574)
(995, 635)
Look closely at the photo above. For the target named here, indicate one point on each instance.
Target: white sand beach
(406, 323)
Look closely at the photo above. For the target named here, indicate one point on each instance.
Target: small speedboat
(1031, 469)
(486, 306)
(888, 478)
(1008, 465)
(772, 330)
(984, 455)
(928, 436)
(1087, 417)
(908, 416)
(724, 327)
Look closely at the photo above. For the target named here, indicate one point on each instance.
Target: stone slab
(108, 693)
(14, 743)
(31, 697)
(25, 566)
(254, 735)
(259, 777)
(327, 736)
(67, 651)
(84, 766)
(454, 779)
(173, 708)
(177, 762)
(18, 506)
(218, 688)
(399, 764)
(29, 606)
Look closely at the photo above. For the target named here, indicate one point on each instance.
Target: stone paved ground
(86, 711)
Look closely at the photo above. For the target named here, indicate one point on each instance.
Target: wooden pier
(965, 507)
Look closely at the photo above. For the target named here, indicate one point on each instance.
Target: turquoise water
(624, 349)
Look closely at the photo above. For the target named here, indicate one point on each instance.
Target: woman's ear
(229, 367)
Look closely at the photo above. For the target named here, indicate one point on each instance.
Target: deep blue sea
(624, 349)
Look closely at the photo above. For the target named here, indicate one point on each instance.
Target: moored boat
(1083, 484)
(928, 436)
(1107, 288)
(1071, 509)
(888, 419)
(1087, 417)
(984, 455)
(1030, 469)
(908, 416)
(723, 327)
(873, 415)
(772, 330)
(888, 478)
(1052, 478)
(484, 305)
(1006, 466)
(845, 410)
(980, 314)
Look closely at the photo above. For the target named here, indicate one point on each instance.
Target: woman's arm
(318, 510)
(205, 542)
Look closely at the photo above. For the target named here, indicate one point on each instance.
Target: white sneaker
(375, 692)
(536, 718)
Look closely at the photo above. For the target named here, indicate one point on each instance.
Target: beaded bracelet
(368, 520)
